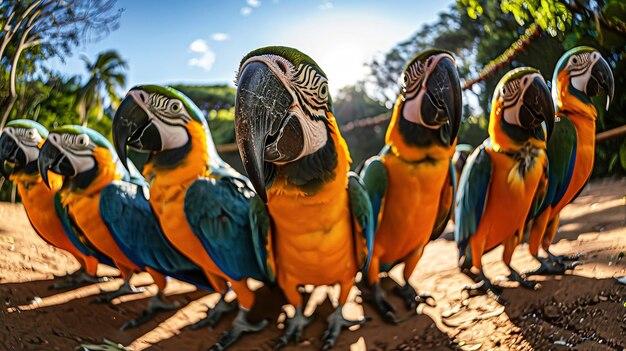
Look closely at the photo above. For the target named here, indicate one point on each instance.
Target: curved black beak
(538, 107)
(444, 93)
(53, 159)
(132, 127)
(9, 154)
(262, 105)
(601, 81)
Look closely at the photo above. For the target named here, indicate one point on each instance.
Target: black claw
(337, 323)
(484, 286)
(294, 327)
(239, 327)
(548, 267)
(514, 276)
(124, 289)
(214, 315)
(76, 280)
(563, 259)
(376, 297)
(155, 306)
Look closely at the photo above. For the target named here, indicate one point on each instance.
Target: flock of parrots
(301, 217)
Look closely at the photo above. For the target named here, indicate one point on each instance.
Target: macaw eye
(176, 106)
(82, 140)
(323, 91)
(30, 134)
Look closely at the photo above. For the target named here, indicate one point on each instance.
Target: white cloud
(206, 60)
(199, 45)
(254, 3)
(245, 11)
(220, 36)
(326, 5)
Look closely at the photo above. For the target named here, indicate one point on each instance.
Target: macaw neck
(500, 135)
(412, 142)
(573, 103)
(309, 174)
(192, 160)
(95, 179)
(27, 179)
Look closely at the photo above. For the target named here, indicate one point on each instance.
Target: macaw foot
(293, 328)
(240, 326)
(155, 305)
(376, 297)
(215, 314)
(562, 260)
(528, 284)
(337, 323)
(412, 298)
(547, 267)
(484, 286)
(124, 289)
(77, 279)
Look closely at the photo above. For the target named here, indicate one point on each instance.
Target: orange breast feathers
(167, 197)
(413, 193)
(192, 167)
(38, 202)
(313, 233)
(583, 116)
(510, 197)
(84, 208)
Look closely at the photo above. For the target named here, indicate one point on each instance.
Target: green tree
(34, 30)
(106, 75)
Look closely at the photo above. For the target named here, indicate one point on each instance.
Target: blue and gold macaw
(108, 207)
(295, 156)
(580, 74)
(19, 150)
(505, 178)
(412, 181)
(207, 210)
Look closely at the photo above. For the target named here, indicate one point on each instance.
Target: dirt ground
(584, 310)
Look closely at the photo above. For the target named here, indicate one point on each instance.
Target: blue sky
(201, 42)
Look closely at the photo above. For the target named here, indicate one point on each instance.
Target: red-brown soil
(584, 310)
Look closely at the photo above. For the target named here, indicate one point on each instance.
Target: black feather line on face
(414, 134)
(171, 158)
(519, 134)
(84, 179)
(311, 172)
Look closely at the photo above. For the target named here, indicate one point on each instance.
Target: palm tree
(106, 75)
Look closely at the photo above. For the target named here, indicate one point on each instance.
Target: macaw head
(155, 119)
(521, 104)
(19, 146)
(79, 154)
(580, 74)
(282, 112)
(430, 99)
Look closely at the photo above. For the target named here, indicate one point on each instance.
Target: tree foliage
(34, 30)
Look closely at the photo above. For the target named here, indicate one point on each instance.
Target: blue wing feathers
(218, 213)
(77, 239)
(136, 230)
(472, 196)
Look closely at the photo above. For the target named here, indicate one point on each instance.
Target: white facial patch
(309, 94)
(581, 72)
(412, 110)
(172, 136)
(314, 132)
(27, 139)
(78, 149)
(167, 115)
(512, 94)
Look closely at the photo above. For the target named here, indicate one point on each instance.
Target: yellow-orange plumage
(38, 202)
(327, 241)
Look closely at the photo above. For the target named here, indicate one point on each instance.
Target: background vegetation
(487, 37)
